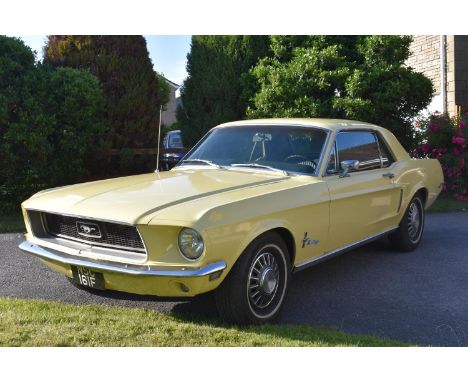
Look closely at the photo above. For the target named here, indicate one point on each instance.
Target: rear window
(387, 158)
(175, 141)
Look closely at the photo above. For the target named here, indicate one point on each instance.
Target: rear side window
(387, 158)
(361, 146)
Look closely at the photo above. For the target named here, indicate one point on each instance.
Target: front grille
(111, 234)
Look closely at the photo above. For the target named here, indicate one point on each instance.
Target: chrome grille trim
(114, 235)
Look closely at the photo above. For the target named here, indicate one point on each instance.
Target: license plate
(88, 278)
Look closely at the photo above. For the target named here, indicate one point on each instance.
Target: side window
(387, 158)
(361, 146)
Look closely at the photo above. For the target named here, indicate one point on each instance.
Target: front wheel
(255, 288)
(409, 233)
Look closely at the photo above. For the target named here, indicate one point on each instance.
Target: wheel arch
(285, 234)
(418, 189)
(288, 238)
(424, 192)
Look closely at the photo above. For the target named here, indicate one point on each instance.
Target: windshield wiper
(256, 165)
(202, 161)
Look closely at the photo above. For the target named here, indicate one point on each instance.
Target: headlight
(191, 243)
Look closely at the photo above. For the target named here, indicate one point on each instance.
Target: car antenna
(159, 139)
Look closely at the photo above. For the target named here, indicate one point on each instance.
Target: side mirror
(348, 165)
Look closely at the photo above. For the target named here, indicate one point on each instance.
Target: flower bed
(446, 139)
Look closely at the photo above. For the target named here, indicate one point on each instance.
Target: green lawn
(11, 223)
(446, 203)
(45, 323)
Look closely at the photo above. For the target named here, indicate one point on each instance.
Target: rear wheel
(255, 288)
(409, 233)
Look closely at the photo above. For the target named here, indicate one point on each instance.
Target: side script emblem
(308, 241)
(88, 229)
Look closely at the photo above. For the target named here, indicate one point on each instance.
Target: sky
(168, 53)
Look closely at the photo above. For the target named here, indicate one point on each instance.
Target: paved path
(421, 297)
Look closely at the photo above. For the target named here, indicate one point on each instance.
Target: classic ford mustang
(252, 202)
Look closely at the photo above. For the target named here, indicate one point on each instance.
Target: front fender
(264, 226)
(303, 210)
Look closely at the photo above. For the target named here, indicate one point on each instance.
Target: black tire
(234, 301)
(409, 233)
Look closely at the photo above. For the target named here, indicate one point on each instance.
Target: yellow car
(252, 202)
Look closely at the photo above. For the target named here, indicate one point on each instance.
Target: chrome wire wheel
(263, 281)
(414, 220)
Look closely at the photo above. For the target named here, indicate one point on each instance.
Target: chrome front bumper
(214, 269)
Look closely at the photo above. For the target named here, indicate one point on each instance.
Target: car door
(364, 202)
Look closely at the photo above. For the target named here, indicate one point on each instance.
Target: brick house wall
(426, 57)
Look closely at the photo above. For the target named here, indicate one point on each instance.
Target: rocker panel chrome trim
(308, 263)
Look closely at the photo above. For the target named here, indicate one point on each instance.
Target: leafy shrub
(352, 77)
(50, 132)
(446, 139)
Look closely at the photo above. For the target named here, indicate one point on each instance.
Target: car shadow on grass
(191, 309)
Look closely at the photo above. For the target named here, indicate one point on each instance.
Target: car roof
(324, 123)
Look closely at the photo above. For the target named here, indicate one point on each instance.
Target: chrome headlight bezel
(191, 244)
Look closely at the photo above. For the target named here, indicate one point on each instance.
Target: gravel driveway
(420, 297)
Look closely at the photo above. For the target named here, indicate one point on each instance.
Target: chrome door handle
(388, 175)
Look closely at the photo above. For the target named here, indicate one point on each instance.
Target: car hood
(134, 199)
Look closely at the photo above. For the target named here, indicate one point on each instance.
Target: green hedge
(50, 131)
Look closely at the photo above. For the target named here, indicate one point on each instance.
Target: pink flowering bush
(446, 139)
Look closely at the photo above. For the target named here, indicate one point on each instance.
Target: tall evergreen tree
(129, 83)
(164, 90)
(354, 77)
(217, 88)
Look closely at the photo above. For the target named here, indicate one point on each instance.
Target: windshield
(287, 148)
